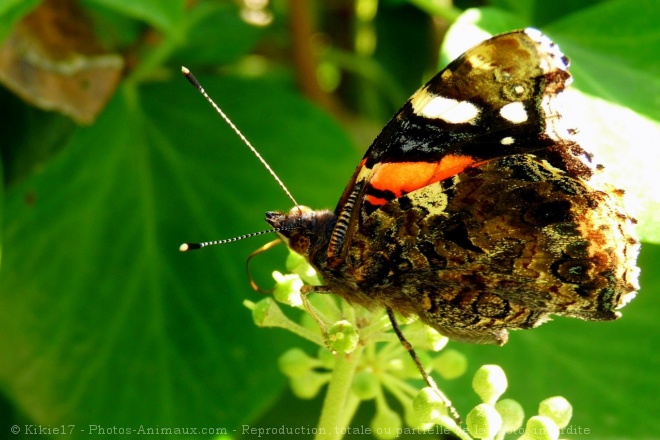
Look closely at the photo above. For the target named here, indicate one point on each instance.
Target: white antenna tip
(185, 70)
(185, 247)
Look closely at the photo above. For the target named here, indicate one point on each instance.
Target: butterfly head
(303, 229)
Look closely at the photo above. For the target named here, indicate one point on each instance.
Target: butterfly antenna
(191, 78)
(185, 247)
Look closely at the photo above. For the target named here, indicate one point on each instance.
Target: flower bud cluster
(495, 418)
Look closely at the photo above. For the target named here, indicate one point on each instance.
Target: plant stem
(334, 413)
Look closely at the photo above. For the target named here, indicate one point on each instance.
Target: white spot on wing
(507, 140)
(518, 89)
(449, 110)
(514, 112)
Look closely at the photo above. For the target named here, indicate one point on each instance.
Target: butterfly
(475, 209)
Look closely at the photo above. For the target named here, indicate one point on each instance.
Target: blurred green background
(103, 323)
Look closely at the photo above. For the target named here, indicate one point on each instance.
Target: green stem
(350, 408)
(336, 412)
(274, 317)
(304, 333)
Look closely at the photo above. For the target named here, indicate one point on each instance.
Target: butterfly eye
(300, 243)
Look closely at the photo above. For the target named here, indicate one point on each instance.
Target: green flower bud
(541, 428)
(558, 409)
(343, 337)
(483, 421)
(512, 414)
(365, 385)
(297, 264)
(386, 424)
(489, 383)
(411, 419)
(287, 289)
(266, 313)
(296, 363)
(450, 364)
(308, 386)
(428, 406)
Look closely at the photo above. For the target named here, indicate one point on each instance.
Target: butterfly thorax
(309, 233)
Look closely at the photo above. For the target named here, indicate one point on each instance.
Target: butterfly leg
(306, 290)
(428, 379)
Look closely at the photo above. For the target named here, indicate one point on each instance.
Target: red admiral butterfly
(474, 209)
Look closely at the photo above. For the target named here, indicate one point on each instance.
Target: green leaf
(206, 45)
(523, 9)
(539, 12)
(615, 46)
(103, 320)
(164, 15)
(30, 136)
(114, 29)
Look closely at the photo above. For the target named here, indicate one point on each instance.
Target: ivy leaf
(165, 16)
(103, 320)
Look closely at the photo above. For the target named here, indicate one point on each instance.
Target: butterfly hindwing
(502, 246)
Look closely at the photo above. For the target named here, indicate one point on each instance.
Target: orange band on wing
(376, 201)
(404, 177)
